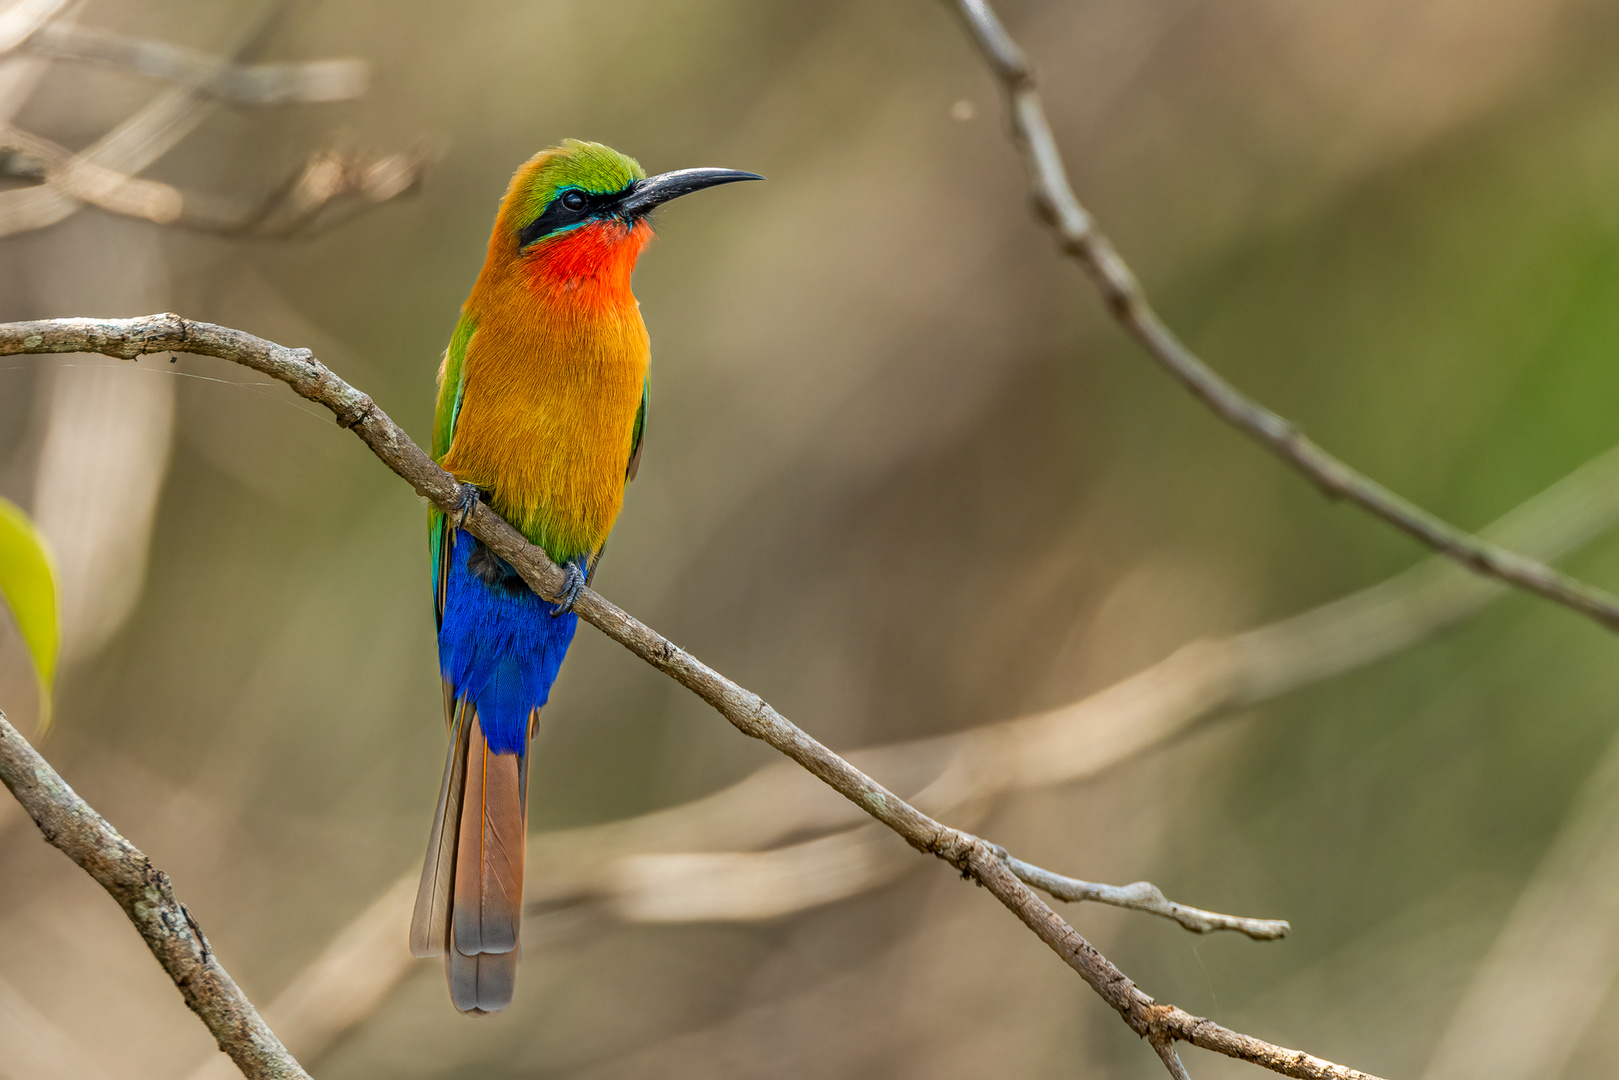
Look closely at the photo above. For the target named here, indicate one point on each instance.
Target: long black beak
(654, 191)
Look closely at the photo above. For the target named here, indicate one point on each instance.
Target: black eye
(574, 201)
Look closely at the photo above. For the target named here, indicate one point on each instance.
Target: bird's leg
(571, 588)
(465, 502)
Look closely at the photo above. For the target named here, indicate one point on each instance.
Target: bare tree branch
(248, 84)
(1145, 896)
(147, 897)
(330, 178)
(80, 177)
(744, 885)
(1079, 238)
(749, 713)
(1165, 1049)
(332, 187)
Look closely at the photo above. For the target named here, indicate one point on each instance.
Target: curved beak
(654, 191)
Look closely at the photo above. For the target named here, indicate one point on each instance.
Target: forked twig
(1147, 897)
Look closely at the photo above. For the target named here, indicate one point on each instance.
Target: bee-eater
(542, 401)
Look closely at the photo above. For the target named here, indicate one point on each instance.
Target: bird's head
(579, 211)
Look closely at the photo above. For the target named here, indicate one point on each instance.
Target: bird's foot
(571, 588)
(464, 504)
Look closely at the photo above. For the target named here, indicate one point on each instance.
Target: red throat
(594, 261)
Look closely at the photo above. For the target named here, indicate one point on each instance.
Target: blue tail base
(498, 643)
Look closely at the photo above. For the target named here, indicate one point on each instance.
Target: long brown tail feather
(489, 862)
(430, 924)
(470, 904)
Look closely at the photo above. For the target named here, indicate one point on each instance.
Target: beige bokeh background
(902, 478)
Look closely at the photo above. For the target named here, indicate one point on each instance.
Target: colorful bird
(542, 404)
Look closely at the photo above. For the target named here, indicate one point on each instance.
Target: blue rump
(498, 643)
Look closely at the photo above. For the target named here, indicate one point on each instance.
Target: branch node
(358, 414)
(196, 929)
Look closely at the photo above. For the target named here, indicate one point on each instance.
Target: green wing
(450, 384)
(640, 429)
(629, 471)
(451, 381)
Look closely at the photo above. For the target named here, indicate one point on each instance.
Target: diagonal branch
(80, 177)
(147, 897)
(752, 715)
(1079, 238)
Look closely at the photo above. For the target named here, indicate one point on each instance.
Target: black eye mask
(559, 215)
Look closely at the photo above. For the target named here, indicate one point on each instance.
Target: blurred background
(902, 478)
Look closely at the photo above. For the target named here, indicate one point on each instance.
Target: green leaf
(28, 582)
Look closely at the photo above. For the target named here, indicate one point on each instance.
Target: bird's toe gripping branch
(465, 503)
(570, 589)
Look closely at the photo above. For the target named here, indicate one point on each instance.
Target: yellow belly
(547, 416)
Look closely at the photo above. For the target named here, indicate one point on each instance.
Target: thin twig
(1165, 1049)
(69, 824)
(749, 713)
(30, 156)
(296, 207)
(743, 885)
(247, 84)
(343, 182)
(1145, 896)
(1079, 237)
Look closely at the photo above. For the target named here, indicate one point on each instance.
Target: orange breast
(552, 383)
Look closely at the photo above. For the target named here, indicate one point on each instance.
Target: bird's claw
(466, 502)
(571, 588)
